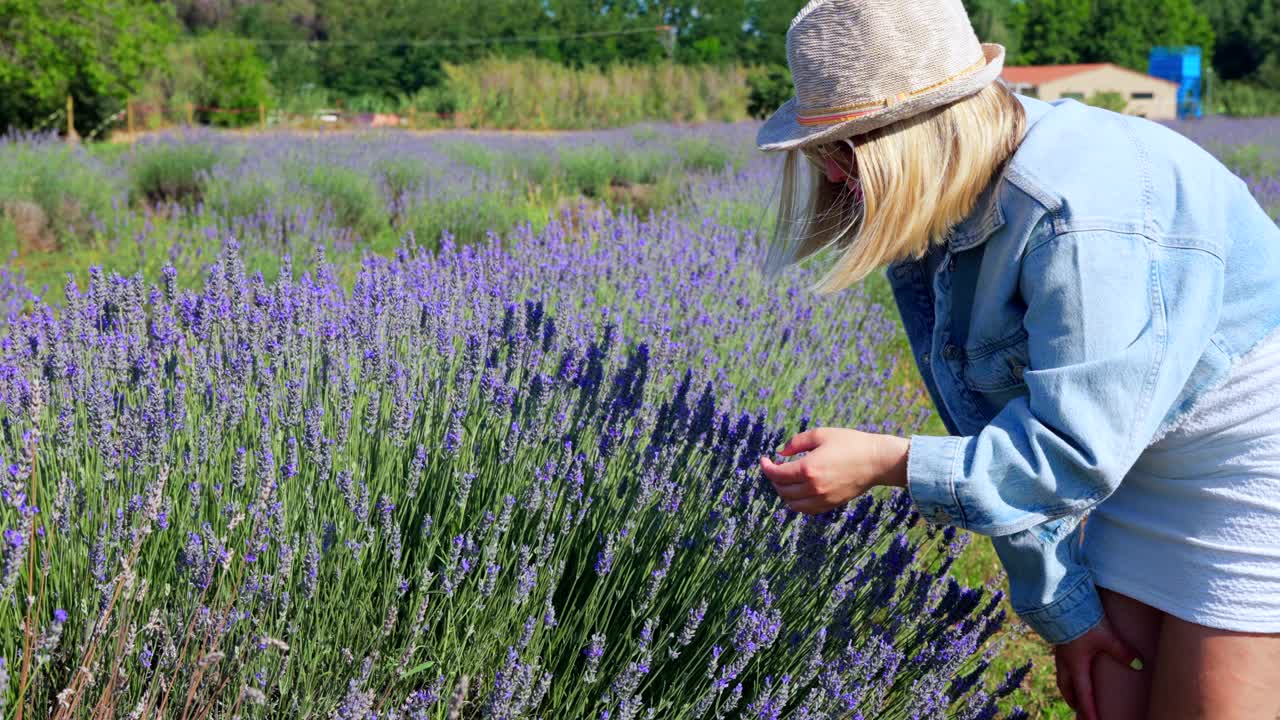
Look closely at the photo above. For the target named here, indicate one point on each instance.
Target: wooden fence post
(191, 111)
(71, 118)
(128, 107)
(262, 115)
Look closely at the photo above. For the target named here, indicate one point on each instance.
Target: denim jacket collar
(988, 215)
(986, 218)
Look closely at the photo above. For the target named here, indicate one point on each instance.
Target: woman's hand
(1074, 661)
(840, 465)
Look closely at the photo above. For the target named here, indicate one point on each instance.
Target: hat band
(829, 116)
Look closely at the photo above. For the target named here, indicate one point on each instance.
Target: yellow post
(128, 107)
(262, 115)
(191, 112)
(71, 117)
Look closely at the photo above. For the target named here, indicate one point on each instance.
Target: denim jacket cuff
(931, 463)
(1068, 617)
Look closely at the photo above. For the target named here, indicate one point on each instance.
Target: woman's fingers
(1082, 677)
(1065, 687)
(795, 491)
(805, 441)
(809, 506)
(1120, 651)
(784, 474)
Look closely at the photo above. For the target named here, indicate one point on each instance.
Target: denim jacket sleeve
(1116, 322)
(1050, 587)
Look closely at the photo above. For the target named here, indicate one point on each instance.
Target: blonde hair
(919, 177)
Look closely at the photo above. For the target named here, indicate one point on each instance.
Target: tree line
(102, 51)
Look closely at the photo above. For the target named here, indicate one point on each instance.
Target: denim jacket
(1113, 273)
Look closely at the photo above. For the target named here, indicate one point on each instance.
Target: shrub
(52, 193)
(703, 155)
(1253, 161)
(467, 218)
(220, 74)
(1243, 99)
(172, 172)
(1108, 100)
(350, 194)
(449, 490)
(400, 176)
(769, 88)
(589, 170)
(474, 154)
(244, 196)
(537, 94)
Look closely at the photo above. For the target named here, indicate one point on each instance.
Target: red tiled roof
(1041, 74)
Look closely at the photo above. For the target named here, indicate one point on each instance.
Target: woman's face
(838, 163)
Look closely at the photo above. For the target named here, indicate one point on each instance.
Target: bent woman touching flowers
(1094, 305)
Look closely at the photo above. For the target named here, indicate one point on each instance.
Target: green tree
(215, 70)
(1118, 31)
(994, 21)
(1124, 31)
(397, 47)
(234, 77)
(283, 31)
(767, 24)
(769, 89)
(1050, 31)
(203, 15)
(1248, 35)
(94, 50)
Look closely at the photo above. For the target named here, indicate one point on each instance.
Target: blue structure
(1183, 66)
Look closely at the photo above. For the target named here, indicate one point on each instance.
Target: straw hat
(859, 65)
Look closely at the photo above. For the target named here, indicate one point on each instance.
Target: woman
(1093, 303)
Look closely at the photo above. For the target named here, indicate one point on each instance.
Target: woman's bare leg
(1121, 692)
(1208, 673)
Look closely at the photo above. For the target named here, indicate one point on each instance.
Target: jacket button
(1019, 372)
(924, 359)
(951, 352)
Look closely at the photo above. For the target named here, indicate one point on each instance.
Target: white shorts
(1194, 529)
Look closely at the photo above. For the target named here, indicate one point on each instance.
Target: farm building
(1148, 96)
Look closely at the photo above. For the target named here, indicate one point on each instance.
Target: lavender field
(456, 426)
(1249, 146)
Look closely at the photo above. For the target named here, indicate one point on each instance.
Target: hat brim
(783, 131)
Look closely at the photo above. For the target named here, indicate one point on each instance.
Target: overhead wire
(496, 40)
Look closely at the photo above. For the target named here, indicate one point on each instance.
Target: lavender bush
(160, 202)
(173, 198)
(1249, 146)
(491, 482)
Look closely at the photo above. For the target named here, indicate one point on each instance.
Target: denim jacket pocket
(995, 369)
